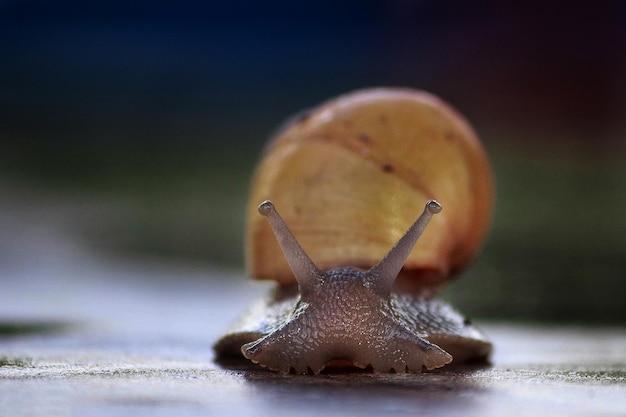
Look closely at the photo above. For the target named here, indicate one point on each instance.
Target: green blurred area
(556, 252)
(141, 200)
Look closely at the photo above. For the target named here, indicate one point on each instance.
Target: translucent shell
(352, 175)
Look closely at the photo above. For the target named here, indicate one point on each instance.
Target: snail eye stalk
(382, 275)
(307, 274)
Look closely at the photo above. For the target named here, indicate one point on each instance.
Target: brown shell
(352, 175)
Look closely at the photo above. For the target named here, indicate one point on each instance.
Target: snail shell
(348, 178)
(387, 148)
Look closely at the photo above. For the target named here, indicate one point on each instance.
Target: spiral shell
(350, 175)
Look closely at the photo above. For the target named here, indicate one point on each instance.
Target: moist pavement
(89, 335)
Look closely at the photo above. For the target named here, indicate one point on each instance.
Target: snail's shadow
(346, 383)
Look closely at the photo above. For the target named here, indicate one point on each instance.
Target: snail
(338, 187)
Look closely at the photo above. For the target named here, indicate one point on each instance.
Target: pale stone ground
(127, 338)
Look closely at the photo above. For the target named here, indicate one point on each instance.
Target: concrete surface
(86, 335)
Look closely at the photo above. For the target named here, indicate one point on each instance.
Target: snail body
(348, 178)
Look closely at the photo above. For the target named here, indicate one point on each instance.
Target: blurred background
(132, 128)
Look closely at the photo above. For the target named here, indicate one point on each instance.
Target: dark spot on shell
(297, 210)
(364, 137)
(467, 321)
(450, 136)
(388, 168)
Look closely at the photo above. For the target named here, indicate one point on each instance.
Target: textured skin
(345, 320)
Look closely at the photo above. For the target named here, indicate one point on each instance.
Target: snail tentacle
(382, 275)
(307, 274)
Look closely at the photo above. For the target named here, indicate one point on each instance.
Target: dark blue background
(224, 74)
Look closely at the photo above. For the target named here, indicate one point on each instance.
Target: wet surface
(89, 335)
(129, 347)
